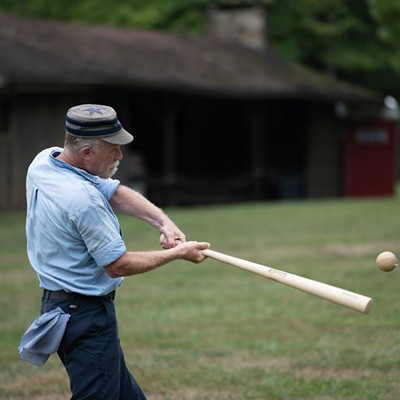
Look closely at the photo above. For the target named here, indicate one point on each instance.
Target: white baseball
(386, 261)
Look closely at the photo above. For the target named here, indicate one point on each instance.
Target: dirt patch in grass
(359, 249)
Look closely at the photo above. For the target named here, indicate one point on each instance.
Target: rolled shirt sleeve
(101, 234)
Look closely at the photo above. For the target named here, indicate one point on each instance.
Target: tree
(185, 16)
(340, 37)
(356, 40)
(387, 15)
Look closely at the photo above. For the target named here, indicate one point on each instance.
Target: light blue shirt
(72, 231)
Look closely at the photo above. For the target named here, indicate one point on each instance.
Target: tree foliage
(387, 16)
(350, 39)
(353, 39)
(185, 16)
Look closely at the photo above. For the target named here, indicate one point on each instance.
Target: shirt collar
(62, 164)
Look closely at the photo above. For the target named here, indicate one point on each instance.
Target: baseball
(386, 261)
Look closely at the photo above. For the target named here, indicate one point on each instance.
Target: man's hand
(174, 240)
(193, 251)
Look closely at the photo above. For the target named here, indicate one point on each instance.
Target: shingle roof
(46, 51)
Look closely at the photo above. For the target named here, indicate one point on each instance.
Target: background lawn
(211, 331)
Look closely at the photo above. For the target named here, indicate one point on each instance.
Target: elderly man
(76, 247)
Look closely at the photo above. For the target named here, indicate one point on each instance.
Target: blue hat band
(94, 132)
(91, 123)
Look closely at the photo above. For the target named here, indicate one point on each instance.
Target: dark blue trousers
(91, 352)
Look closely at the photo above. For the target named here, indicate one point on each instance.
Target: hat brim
(121, 138)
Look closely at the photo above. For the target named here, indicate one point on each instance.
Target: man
(75, 245)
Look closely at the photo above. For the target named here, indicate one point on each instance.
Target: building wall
(36, 121)
(287, 149)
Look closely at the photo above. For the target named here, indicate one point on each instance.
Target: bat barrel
(354, 301)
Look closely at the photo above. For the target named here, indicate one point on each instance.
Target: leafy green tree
(387, 15)
(185, 16)
(356, 40)
(340, 37)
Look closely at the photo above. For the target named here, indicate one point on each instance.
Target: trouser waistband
(62, 295)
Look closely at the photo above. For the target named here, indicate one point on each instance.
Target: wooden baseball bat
(354, 301)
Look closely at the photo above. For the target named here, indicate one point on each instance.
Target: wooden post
(170, 147)
(257, 148)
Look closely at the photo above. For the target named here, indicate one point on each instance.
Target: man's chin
(110, 173)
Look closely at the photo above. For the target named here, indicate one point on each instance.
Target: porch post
(169, 153)
(257, 152)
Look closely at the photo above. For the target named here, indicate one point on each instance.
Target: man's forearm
(130, 202)
(137, 262)
(133, 263)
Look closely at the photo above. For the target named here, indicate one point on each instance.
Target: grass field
(210, 331)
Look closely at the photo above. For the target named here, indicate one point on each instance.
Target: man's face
(104, 160)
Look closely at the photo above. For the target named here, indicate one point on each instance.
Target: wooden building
(214, 120)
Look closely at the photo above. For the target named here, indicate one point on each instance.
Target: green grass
(211, 331)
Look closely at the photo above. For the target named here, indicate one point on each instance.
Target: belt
(62, 295)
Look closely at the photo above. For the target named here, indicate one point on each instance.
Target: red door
(370, 159)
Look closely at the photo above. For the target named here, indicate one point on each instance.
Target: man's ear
(87, 151)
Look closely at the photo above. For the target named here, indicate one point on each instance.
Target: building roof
(48, 51)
